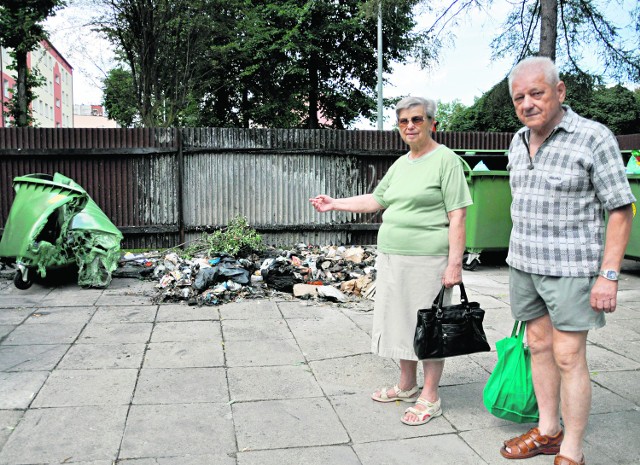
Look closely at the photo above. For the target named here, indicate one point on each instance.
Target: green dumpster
(633, 247)
(54, 223)
(489, 218)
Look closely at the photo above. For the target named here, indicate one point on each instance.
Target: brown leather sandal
(532, 443)
(562, 460)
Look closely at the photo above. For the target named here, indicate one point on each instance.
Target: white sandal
(432, 410)
(404, 396)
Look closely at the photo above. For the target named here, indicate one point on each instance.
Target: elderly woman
(420, 246)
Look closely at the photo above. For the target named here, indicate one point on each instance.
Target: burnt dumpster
(52, 224)
(489, 218)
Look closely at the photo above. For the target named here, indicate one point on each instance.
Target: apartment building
(53, 104)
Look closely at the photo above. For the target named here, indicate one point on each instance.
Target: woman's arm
(457, 242)
(358, 204)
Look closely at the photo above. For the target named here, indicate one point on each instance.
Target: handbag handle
(437, 303)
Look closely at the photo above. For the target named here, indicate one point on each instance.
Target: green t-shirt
(416, 195)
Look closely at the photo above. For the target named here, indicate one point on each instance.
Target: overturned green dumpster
(52, 224)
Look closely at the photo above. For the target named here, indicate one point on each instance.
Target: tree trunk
(313, 93)
(548, 28)
(22, 114)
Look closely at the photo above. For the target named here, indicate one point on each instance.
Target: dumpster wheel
(21, 283)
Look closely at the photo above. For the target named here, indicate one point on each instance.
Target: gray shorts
(565, 299)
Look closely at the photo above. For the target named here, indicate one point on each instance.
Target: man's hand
(603, 295)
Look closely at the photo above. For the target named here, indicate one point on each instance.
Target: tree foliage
(21, 29)
(119, 97)
(616, 107)
(567, 31)
(244, 63)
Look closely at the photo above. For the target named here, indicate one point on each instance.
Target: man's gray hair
(428, 105)
(544, 64)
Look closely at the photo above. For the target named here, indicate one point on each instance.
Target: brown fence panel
(160, 186)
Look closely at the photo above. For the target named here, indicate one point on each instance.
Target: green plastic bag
(509, 392)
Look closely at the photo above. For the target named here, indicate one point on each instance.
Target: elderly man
(565, 171)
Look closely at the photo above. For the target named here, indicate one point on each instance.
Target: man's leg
(570, 351)
(545, 374)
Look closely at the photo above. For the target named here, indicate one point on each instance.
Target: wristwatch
(611, 275)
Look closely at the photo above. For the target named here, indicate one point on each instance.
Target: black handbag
(449, 331)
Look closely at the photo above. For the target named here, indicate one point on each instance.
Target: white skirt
(404, 284)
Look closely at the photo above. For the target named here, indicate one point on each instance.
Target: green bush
(237, 239)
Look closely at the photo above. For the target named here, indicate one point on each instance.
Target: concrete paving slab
(462, 370)
(14, 316)
(463, 407)
(32, 357)
(250, 310)
(364, 321)
(109, 315)
(130, 286)
(72, 298)
(328, 455)
(5, 330)
(387, 425)
(123, 300)
(178, 430)
(11, 301)
(247, 330)
(623, 383)
(270, 383)
(602, 359)
(34, 333)
(613, 434)
(187, 313)
(263, 353)
(307, 310)
(337, 336)
(184, 354)
(359, 374)
(76, 388)
(444, 449)
(96, 356)
(88, 434)
(61, 315)
(181, 386)
(96, 333)
(217, 459)
(9, 419)
(172, 331)
(606, 401)
(287, 423)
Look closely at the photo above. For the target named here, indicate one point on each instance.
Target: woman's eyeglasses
(415, 120)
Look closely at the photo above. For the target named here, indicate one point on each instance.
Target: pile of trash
(333, 273)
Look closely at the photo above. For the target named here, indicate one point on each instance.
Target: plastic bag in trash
(480, 166)
(223, 271)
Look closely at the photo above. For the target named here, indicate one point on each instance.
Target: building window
(57, 79)
(58, 102)
(6, 88)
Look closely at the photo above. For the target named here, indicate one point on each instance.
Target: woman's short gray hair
(544, 64)
(428, 105)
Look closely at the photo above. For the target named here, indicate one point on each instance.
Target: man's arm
(604, 292)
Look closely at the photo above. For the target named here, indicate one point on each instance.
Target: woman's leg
(407, 377)
(432, 374)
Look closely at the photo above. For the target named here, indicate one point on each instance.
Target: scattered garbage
(53, 223)
(328, 273)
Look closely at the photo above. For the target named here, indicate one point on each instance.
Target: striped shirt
(560, 197)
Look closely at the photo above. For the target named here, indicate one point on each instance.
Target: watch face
(610, 274)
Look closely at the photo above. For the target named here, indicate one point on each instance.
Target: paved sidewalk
(98, 377)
